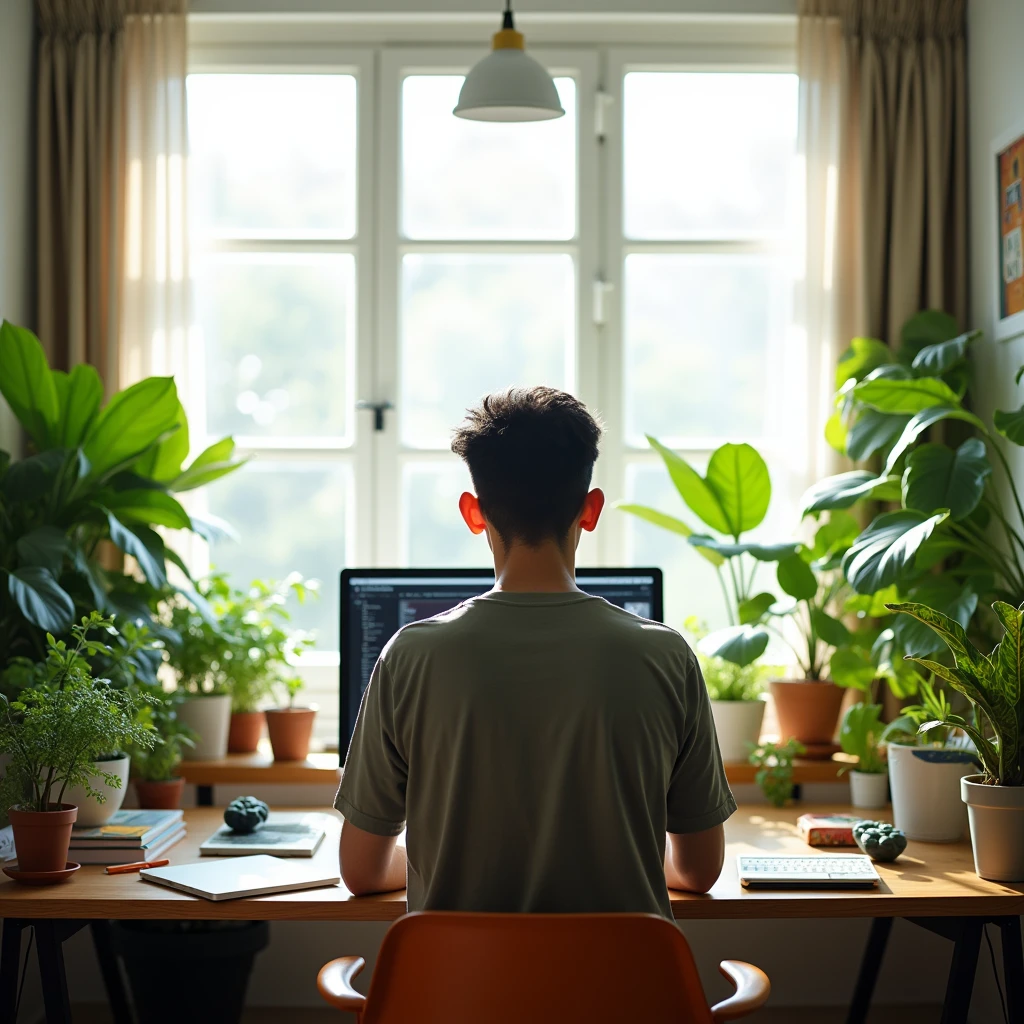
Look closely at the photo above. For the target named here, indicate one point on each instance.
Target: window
(362, 259)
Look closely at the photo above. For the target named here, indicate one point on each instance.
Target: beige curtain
(111, 146)
(903, 143)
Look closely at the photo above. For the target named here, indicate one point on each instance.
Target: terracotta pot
(245, 732)
(42, 838)
(159, 796)
(807, 711)
(290, 731)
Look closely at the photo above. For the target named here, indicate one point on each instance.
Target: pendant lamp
(508, 84)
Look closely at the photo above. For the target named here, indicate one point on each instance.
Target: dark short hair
(531, 454)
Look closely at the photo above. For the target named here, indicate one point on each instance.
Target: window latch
(379, 408)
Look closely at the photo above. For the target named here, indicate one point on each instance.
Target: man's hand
(371, 863)
(694, 861)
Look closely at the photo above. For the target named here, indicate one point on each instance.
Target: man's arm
(371, 863)
(693, 861)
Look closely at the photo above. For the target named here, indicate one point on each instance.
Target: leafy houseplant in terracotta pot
(291, 726)
(860, 734)
(154, 770)
(992, 683)
(51, 733)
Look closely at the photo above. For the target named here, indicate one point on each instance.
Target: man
(537, 742)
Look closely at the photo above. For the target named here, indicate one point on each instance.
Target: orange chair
(460, 968)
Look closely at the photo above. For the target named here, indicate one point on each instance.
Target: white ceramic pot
(869, 790)
(92, 813)
(926, 802)
(997, 828)
(738, 724)
(210, 717)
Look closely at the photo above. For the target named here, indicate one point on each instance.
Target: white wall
(17, 254)
(995, 86)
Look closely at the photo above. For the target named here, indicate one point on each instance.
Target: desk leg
(10, 956)
(1013, 966)
(204, 796)
(960, 985)
(113, 980)
(49, 948)
(869, 968)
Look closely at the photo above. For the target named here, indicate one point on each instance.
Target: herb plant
(250, 651)
(922, 724)
(992, 684)
(861, 734)
(725, 680)
(159, 763)
(774, 762)
(59, 724)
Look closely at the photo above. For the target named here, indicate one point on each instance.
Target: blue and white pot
(925, 782)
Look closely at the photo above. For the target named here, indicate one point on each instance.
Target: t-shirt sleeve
(698, 796)
(372, 790)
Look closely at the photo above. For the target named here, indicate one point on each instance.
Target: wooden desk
(931, 882)
(324, 769)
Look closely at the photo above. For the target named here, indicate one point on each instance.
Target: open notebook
(235, 877)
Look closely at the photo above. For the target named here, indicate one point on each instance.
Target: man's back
(540, 746)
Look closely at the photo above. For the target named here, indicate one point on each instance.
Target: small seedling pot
(91, 812)
(996, 815)
(209, 717)
(290, 731)
(926, 802)
(159, 796)
(245, 731)
(738, 724)
(42, 838)
(808, 711)
(869, 790)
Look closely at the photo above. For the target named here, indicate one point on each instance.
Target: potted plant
(992, 684)
(737, 698)
(860, 734)
(291, 726)
(926, 763)
(154, 769)
(50, 734)
(774, 763)
(98, 479)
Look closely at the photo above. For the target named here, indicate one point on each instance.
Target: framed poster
(1008, 151)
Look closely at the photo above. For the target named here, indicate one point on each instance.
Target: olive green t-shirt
(537, 747)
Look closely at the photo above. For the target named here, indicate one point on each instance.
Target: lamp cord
(506, 21)
(995, 972)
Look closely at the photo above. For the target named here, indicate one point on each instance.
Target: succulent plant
(245, 814)
(879, 840)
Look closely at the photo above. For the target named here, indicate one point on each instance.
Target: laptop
(824, 871)
(376, 603)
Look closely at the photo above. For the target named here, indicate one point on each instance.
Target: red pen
(126, 869)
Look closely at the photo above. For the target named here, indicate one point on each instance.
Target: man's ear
(469, 506)
(593, 505)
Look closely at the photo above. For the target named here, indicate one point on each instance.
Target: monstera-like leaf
(884, 553)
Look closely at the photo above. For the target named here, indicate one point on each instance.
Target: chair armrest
(752, 990)
(335, 983)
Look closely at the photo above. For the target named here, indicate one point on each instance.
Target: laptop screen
(376, 603)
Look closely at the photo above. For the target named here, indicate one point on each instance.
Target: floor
(94, 1014)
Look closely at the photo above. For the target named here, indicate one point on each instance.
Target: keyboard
(840, 871)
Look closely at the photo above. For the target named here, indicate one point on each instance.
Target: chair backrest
(515, 968)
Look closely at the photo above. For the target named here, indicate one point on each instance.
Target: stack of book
(128, 837)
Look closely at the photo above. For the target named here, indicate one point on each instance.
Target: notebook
(283, 834)
(129, 855)
(236, 877)
(126, 829)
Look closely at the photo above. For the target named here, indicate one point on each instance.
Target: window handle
(379, 408)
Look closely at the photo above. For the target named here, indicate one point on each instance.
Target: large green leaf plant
(95, 472)
(950, 509)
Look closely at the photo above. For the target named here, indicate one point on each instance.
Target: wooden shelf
(324, 769)
(240, 769)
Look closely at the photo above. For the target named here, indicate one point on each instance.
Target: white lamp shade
(508, 85)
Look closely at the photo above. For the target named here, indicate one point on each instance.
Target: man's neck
(548, 568)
